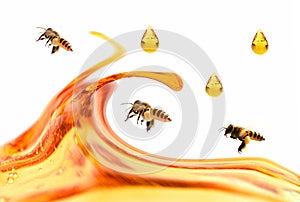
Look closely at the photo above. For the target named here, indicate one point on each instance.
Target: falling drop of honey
(149, 42)
(214, 86)
(259, 44)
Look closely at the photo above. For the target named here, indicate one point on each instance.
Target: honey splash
(52, 160)
(259, 44)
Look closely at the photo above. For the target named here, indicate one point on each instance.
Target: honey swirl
(55, 159)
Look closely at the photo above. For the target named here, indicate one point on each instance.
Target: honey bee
(244, 135)
(149, 114)
(54, 39)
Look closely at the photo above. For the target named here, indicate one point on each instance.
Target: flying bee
(244, 135)
(54, 39)
(149, 114)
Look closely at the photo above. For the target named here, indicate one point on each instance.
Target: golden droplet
(14, 175)
(10, 180)
(214, 86)
(149, 41)
(60, 171)
(259, 44)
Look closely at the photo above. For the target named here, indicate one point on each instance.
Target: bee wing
(54, 49)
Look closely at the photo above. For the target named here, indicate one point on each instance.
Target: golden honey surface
(52, 160)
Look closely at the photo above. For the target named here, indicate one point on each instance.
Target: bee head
(137, 102)
(229, 129)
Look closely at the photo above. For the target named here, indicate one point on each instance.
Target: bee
(244, 135)
(54, 39)
(149, 114)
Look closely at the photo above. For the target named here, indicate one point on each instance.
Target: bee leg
(150, 124)
(128, 117)
(47, 42)
(142, 121)
(41, 37)
(245, 141)
(241, 147)
(54, 49)
(137, 122)
(50, 38)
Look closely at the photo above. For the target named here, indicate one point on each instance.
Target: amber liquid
(52, 160)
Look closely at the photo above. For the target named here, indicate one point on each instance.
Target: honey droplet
(60, 171)
(259, 44)
(214, 86)
(149, 42)
(13, 175)
(10, 180)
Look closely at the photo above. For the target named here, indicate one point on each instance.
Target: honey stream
(71, 154)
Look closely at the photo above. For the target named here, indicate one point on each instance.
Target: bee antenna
(125, 103)
(41, 28)
(221, 129)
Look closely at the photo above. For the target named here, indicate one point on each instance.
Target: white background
(262, 92)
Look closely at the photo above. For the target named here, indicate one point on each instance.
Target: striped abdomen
(65, 44)
(254, 135)
(160, 115)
